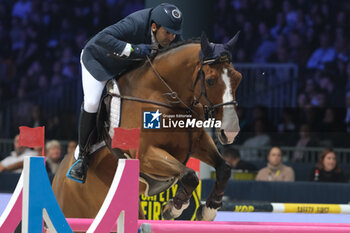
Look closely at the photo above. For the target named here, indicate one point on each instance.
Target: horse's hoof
(205, 213)
(145, 228)
(169, 211)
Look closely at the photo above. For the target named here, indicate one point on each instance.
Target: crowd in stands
(310, 33)
(327, 168)
(41, 43)
(53, 155)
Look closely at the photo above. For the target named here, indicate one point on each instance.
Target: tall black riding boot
(87, 124)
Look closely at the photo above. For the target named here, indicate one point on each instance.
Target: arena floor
(282, 217)
(252, 217)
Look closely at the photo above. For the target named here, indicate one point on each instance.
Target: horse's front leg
(159, 162)
(207, 152)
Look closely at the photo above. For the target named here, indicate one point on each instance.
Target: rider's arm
(112, 38)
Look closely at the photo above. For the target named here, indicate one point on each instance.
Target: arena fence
(309, 154)
(271, 85)
(63, 99)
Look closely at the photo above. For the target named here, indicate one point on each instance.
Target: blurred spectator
(327, 168)
(14, 162)
(331, 128)
(334, 95)
(22, 9)
(287, 127)
(71, 148)
(260, 139)
(347, 117)
(348, 76)
(36, 117)
(275, 170)
(290, 13)
(53, 155)
(298, 51)
(38, 150)
(22, 110)
(53, 127)
(312, 92)
(266, 46)
(325, 53)
(303, 100)
(280, 27)
(305, 140)
(233, 157)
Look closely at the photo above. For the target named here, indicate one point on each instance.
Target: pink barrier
(194, 227)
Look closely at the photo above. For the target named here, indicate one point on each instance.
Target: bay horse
(194, 77)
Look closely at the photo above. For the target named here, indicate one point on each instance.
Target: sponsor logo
(151, 120)
(176, 13)
(157, 120)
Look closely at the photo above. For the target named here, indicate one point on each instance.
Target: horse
(194, 77)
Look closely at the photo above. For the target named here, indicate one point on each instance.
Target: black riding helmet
(169, 17)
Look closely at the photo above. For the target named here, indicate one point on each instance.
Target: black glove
(141, 50)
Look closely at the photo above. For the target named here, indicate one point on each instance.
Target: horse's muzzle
(226, 137)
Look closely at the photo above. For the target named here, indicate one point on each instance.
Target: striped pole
(311, 208)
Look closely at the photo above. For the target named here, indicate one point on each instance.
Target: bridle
(209, 109)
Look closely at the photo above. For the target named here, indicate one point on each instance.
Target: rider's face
(163, 37)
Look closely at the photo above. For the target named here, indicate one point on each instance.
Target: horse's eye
(210, 82)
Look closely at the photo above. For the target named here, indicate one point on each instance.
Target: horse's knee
(189, 180)
(223, 173)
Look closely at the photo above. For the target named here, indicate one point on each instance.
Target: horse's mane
(178, 44)
(165, 50)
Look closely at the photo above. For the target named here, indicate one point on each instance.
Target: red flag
(194, 164)
(126, 139)
(32, 137)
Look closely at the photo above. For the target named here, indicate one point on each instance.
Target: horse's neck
(176, 67)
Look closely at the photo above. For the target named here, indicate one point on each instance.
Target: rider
(132, 37)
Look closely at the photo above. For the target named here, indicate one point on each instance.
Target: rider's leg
(92, 94)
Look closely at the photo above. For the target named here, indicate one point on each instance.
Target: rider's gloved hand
(140, 50)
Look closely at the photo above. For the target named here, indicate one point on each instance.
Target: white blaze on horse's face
(230, 123)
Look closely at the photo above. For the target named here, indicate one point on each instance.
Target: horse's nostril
(223, 136)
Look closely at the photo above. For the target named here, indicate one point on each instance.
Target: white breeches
(92, 89)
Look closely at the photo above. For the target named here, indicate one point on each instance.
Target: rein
(209, 109)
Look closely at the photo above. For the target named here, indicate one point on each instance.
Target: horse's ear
(230, 45)
(205, 45)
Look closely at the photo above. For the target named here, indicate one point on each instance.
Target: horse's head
(219, 81)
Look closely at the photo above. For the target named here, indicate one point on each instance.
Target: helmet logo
(176, 13)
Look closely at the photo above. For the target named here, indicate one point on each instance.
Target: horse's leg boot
(87, 124)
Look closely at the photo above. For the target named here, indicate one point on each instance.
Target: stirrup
(78, 171)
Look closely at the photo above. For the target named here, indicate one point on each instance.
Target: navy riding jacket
(133, 29)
